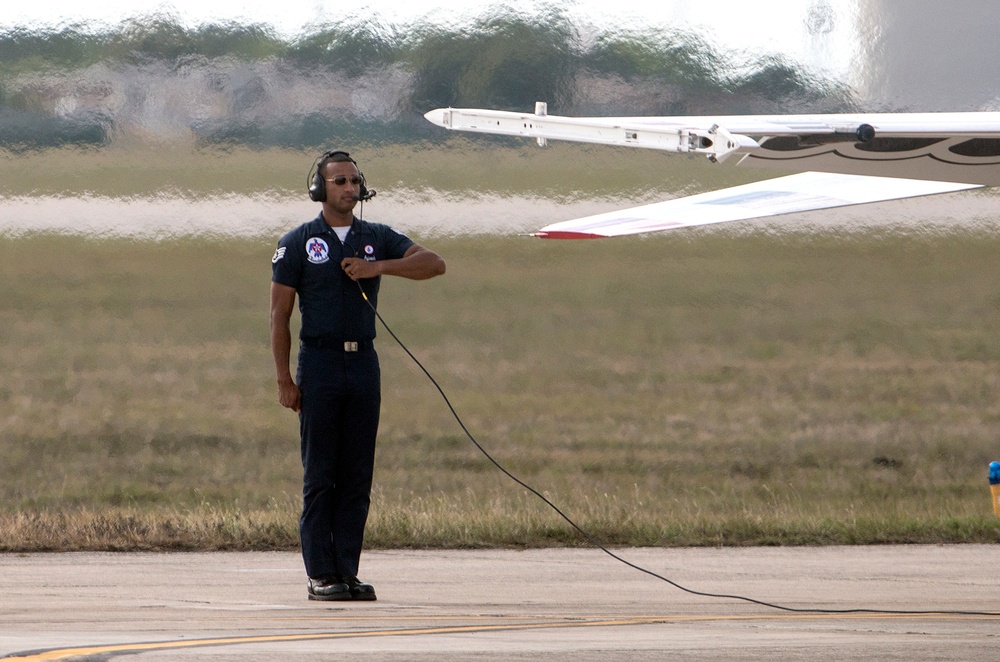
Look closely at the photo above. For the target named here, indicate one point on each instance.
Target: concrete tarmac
(556, 604)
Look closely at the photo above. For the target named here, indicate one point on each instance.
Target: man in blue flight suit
(332, 263)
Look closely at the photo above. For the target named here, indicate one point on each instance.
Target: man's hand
(289, 395)
(356, 268)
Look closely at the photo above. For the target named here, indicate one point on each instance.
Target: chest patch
(317, 251)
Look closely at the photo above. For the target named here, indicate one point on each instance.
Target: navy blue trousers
(338, 422)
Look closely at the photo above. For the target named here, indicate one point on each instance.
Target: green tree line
(501, 60)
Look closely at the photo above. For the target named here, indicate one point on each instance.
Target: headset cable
(596, 543)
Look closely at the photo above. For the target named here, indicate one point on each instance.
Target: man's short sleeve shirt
(308, 259)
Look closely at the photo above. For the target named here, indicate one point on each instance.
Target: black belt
(362, 345)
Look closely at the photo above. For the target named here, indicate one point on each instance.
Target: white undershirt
(342, 232)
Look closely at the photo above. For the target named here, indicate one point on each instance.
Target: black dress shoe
(359, 590)
(329, 588)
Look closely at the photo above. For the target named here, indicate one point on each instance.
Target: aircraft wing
(867, 157)
(801, 192)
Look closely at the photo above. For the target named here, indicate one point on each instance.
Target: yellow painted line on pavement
(67, 653)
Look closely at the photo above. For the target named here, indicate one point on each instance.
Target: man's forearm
(420, 265)
(281, 348)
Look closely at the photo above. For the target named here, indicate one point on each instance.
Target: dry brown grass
(697, 388)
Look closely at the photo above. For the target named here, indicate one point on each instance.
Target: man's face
(343, 184)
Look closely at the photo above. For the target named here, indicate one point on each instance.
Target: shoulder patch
(317, 251)
(278, 254)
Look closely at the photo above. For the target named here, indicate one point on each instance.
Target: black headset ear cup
(363, 190)
(317, 190)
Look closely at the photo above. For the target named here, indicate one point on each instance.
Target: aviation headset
(317, 183)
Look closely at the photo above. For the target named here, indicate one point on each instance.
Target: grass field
(447, 165)
(697, 388)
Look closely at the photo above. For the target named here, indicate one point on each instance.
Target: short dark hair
(336, 156)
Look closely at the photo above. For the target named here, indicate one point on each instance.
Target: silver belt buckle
(350, 346)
